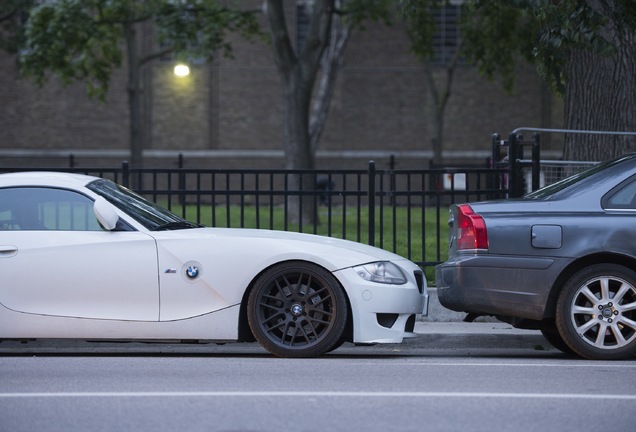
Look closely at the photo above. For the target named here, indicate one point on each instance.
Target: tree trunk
(329, 67)
(600, 94)
(298, 73)
(440, 94)
(134, 97)
(437, 117)
(298, 155)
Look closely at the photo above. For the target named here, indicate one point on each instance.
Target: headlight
(381, 272)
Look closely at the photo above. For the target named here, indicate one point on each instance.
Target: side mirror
(105, 213)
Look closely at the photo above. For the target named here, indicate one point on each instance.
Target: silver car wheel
(602, 311)
(596, 312)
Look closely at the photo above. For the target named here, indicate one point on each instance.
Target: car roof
(604, 175)
(45, 178)
(584, 194)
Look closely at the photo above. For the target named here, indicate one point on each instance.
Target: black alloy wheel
(596, 312)
(297, 309)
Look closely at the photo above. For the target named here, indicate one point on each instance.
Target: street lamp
(181, 70)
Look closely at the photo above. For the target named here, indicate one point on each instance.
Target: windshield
(569, 181)
(150, 215)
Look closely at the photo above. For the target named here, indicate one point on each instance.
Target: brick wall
(380, 105)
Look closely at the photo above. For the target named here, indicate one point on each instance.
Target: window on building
(447, 36)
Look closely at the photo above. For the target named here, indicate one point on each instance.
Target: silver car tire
(297, 309)
(596, 312)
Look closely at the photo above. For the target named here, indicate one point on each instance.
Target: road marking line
(581, 364)
(321, 394)
(578, 364)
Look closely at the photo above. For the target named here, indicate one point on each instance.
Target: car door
(55, 259)
(620, 221)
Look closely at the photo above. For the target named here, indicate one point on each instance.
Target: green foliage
(560, 28)
(500, 33)
(497, 35)
(83, 39)
(71, 38)
(13, 14)
(356, 12)
(199, 28)
(421, 24)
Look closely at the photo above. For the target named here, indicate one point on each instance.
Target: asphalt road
(440, 382)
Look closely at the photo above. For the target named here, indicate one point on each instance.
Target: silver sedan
(561, 259)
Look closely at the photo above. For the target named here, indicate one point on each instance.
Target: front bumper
(384, 313)
(498, 285)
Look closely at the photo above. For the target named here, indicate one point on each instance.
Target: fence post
(371, 199)
(182, 198)
(496, 150)
(536, 161)
(125, 174)
(515, 174)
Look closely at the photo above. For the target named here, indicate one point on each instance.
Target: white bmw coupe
(84, 258)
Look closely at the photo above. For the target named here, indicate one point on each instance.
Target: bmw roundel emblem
(192, 272)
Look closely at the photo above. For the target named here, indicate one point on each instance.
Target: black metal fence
(403, 211)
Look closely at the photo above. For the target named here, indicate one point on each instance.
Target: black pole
(371, 198)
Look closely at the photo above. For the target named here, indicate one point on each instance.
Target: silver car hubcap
(604, 312)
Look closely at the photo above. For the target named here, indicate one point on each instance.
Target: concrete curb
(431, 336)
(446, 329)
(477, 335)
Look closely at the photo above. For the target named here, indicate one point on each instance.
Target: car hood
(332, 253)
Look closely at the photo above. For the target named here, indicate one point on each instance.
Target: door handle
(8, 251)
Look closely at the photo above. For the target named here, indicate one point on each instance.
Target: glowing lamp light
(182, 70)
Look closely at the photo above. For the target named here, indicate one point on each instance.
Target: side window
(623, 198)
(30, 208)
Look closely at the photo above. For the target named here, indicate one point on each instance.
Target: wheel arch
(245, 333)
(579, 264)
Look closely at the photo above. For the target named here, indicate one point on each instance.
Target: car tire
(297, 309)
(596, 312)
(551, 334)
